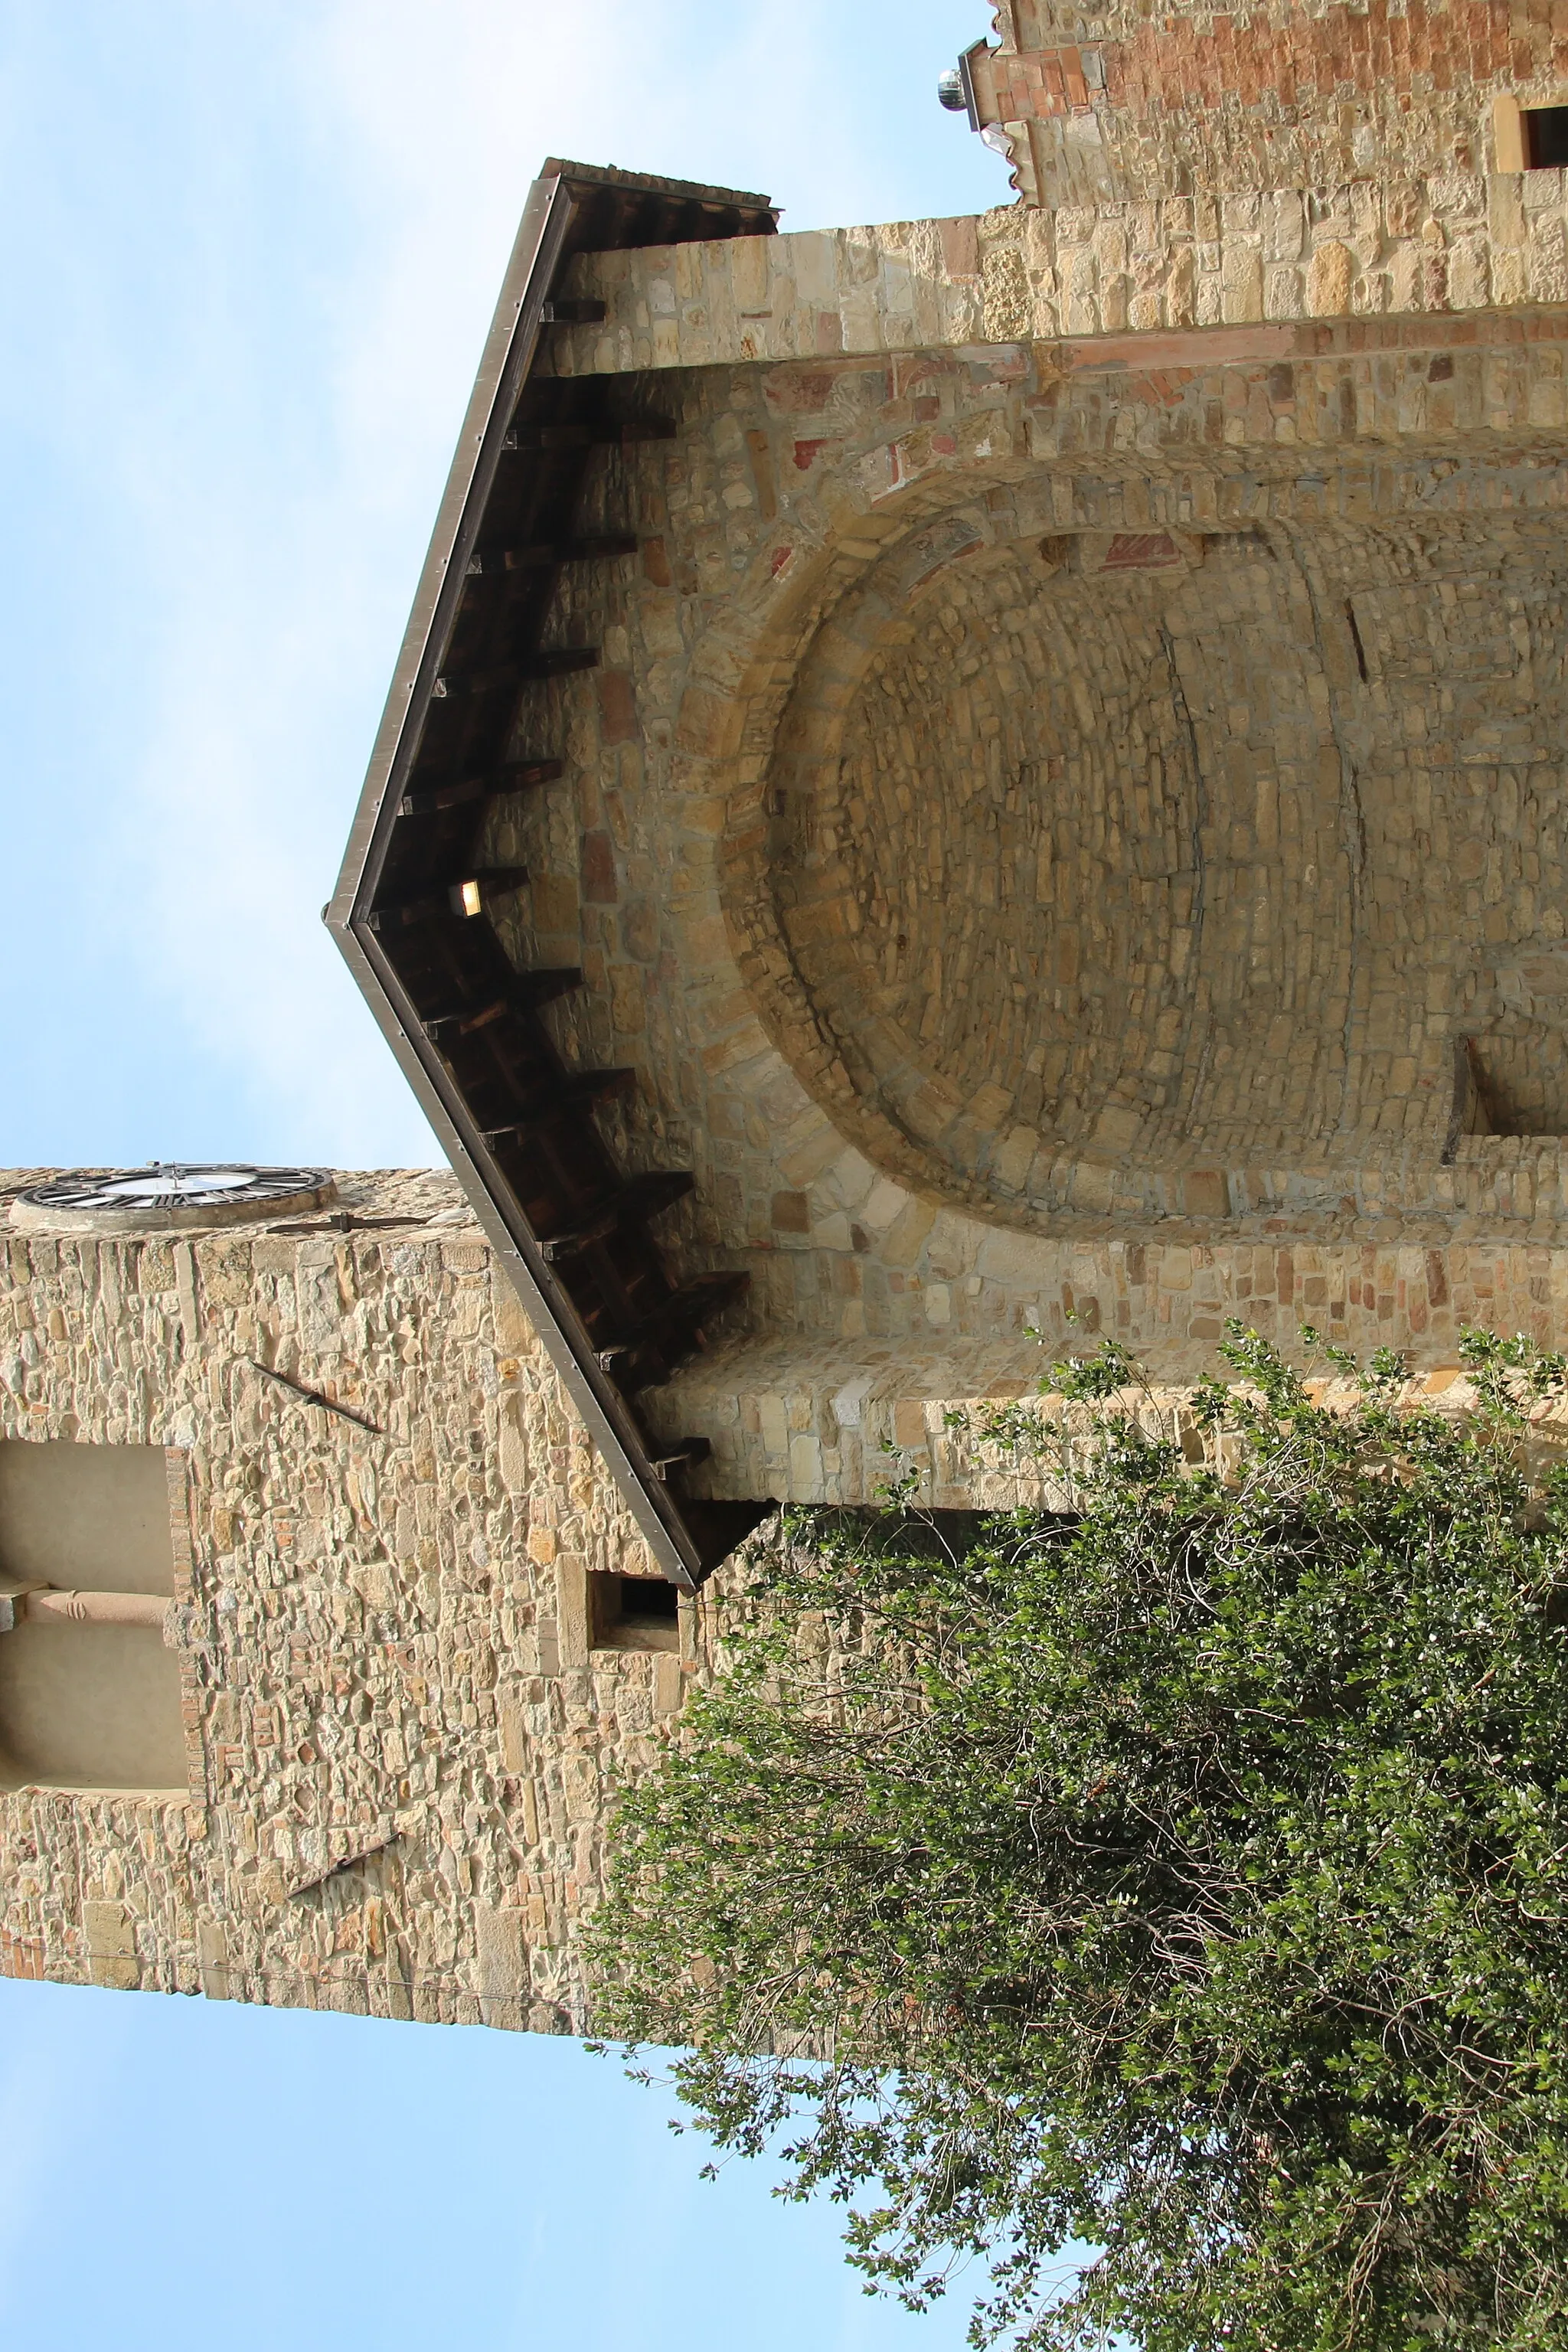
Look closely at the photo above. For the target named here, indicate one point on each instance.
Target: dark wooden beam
(599, 1086)
(475, 1017)
(669, 1332)
(516, 776)
(603, 433)
(487, 562)
(669, 1329)
(683, 1455)
(644, 1197)
(462, 900)
(548, 661)
(572, 311)
(701, 1298)
(523, 993)
(545, 984)
(555, 661)
(575, 1090)
(660, 1189)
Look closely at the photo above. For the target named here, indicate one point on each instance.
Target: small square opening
(1545, 130)
(635, 1612)
(1511, 1086)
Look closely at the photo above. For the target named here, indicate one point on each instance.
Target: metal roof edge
(610, 176)
(545, 203)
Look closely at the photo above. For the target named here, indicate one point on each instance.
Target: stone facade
(404, 1718)
(401, 1723)
(1071, 809)
(926, 655)
(1427, 250)
(1129, 100)
(1065, 830)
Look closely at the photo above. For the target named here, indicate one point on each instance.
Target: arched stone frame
(734, 714)
(873, 1291)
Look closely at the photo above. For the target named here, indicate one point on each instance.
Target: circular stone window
(169, 1194)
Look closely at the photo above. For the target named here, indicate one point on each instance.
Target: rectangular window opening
(633, 1613)
(1545, 130)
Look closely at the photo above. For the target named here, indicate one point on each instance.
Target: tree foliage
(1184, 1873)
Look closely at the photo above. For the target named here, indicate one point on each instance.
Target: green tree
(1184, 1873)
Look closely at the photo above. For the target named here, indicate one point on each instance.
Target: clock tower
(947, 782)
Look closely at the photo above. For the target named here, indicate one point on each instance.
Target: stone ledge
(1453, 244)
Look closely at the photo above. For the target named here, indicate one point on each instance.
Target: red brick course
(1343, 53)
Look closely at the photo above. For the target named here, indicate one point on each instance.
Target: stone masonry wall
(1133, 99)
(403, 1733)
(1451, 242)
(811, 519)
(823, 529)
(401, 1740)
(811, 1419)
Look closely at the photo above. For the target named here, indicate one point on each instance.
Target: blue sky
(246, 257)
(247, 253)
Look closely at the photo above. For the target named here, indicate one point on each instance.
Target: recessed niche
(1545, 135)
(1528, 139)
(633, 1613)
(1516, 1085)
(86, 1704)
(1069, 918)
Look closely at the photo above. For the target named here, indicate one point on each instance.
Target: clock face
(173, 1192)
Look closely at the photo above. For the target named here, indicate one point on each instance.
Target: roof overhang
(570, 1230)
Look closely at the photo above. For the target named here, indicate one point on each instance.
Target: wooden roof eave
(570, 209)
